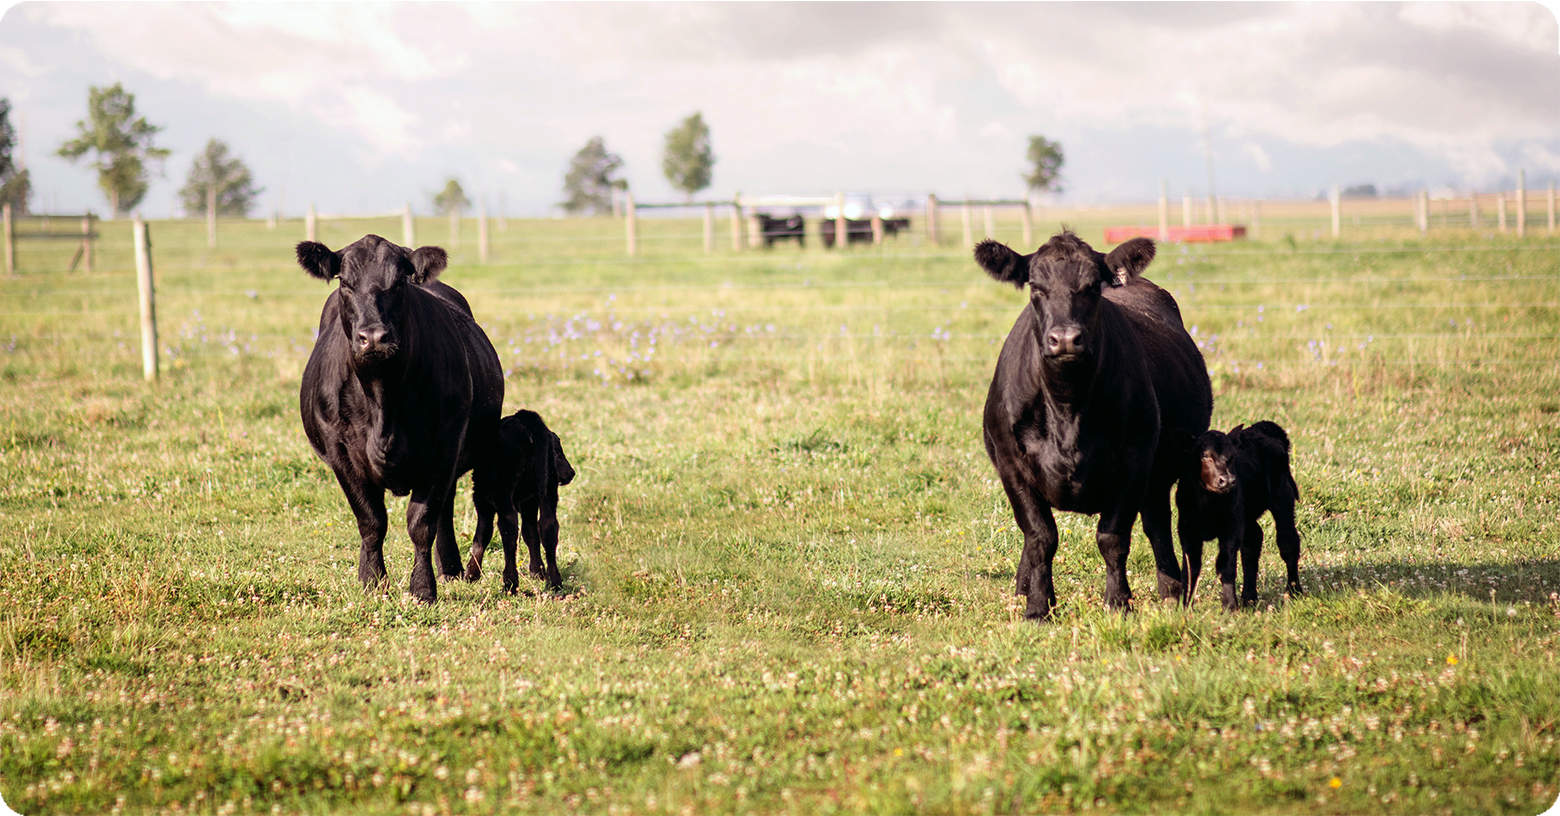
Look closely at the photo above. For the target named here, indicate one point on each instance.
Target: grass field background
(788, 564)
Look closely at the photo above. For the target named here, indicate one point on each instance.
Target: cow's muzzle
(373, 343)
(1065, 342)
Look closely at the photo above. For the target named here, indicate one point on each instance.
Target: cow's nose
(1062, 341)
(370, 338)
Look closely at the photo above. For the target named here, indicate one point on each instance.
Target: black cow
(522, 477)
(857, 231)
(402, 393)
(1095, 371)
(894, 226)
(782, 229)
(1229, 481)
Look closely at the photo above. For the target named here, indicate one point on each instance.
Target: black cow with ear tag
(1095, 371)
(402, 393)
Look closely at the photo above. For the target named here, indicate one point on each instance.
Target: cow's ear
(1002, 263)
(317, 260)
(1129, 260)
(429, 261)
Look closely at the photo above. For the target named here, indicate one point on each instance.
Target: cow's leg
(1156, 525)
(549, 532)
(422, 524)
(1224, 564)
(509, 530)
(446, 549)
(1034, 517)
(483, 503)
(1288, 543)
(1114, 536)
(1250, 553)
(368, 505)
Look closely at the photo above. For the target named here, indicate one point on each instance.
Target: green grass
(788, 564)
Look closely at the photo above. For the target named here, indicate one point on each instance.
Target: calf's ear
(1002, 263)
(317, 260)
(429, 261)
(1129, 260)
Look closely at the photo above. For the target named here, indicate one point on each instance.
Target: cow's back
(1175, 365)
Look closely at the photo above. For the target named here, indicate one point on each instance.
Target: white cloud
(1258, 156)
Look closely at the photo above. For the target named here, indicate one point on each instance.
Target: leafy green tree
(688, 160)
(452, 201)
(215, 167)
(15, 182)
(1045, 160)
(122, 145)
(589, 182)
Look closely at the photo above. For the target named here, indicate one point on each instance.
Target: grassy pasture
(788, 564)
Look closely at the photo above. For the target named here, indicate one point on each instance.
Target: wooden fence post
(144, 284)
(1500, 210)
(1337, 209)
(408, 227)
(736, 222)
(482, 231)
(1029, 226)
(628, 211)
(1551, 207)
(311, 224)
(964, 212)
(931, 219)
(10, 242)
(1164, 210)
(840, 231)
(86, 242)
(211, 216)
(1424, 211)
(1256, 220)
(709, 228)
(1473, 210)
(877, 229)
(1521, 203)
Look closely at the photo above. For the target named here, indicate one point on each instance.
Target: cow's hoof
(472, 575)
(1171, 587)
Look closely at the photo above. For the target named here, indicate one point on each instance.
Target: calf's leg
(1288, 543)
(509, 530)
(483, 503)
(368, 505)
(549, 530)
(1224, 564)
(1250, 553)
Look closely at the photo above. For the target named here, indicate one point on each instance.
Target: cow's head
(1214, 455)
(560, 462)
(1067, 279)
(374, 274)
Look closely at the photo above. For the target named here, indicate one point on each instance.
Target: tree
(215, 168)
(15, 182)
(589, 182)
(122, 144)
(688, 161)
(1045, 157)
(452, 201)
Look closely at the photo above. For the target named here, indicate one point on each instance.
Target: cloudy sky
(360, 107)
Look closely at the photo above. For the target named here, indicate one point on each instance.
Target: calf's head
(1214, 452)
(1067, 280)
(374, 274)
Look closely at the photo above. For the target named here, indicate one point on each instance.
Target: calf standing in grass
(1095, 372)
(1229, 482)
(402, 393)
(521, 477)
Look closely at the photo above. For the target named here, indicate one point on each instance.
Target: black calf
(522, 476)
(1229, 482)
